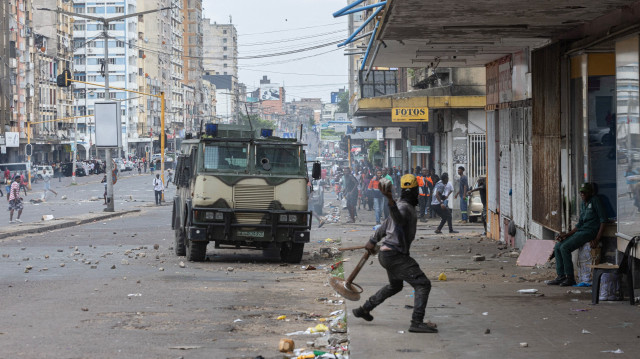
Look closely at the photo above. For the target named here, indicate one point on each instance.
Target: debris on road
(524, 345)
(528, 291)
(442, 277)
(286, 345)
(617, 351)
(47, 217)
(478, 258)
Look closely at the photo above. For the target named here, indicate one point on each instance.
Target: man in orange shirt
(423, 196)
(376, 194)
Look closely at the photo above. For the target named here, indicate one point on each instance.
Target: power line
(292, 39)
(299, 28)
(292, 73)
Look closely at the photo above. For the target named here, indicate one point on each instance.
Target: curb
(65, 223)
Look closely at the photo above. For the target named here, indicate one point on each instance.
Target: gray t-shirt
(46, 178)
(439, 187)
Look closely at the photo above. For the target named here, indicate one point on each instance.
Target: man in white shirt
(158, 187)
(46, 177)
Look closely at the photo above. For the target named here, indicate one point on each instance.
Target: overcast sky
(268, 27)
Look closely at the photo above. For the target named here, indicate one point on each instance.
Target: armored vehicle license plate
(255, 234)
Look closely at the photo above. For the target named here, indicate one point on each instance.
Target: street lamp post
(105, 34)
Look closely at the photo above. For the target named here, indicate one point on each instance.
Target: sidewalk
(478, 309)
(44, 226)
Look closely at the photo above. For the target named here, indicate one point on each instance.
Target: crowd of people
(359, 190)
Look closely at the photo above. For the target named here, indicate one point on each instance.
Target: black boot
(362, 313)
(568, 282)
(559, 279)
(422, 328)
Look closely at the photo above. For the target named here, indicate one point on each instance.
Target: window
(224, 57)
(224, 32)
(224, 40)
(226, 156)
(119, 43)
(79, 60)
(100, 94)
(278, 158)
(119, 9)
(224, 48)
(79, 27)
(91, 10)
(78, 10)
(224, 65)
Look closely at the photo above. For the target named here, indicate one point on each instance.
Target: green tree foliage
(374, 148)
(257, 122)
(343, 102)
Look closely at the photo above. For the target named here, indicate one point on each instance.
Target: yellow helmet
(408, 181)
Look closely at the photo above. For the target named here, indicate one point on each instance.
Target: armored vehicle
(241, 189)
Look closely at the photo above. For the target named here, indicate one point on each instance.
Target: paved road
(72, 304)
(131, 191)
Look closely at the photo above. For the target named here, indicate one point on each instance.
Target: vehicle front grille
(252, 197)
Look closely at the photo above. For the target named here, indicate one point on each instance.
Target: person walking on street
(423, 194)
(23, 183)
(104, 180)
(482, 188)
(158, 188)
(375, 193)
(462, 192)
(350, 193)
(396, 235)
(438, 203)
(589, 228)
(46, 177)
(15, 201)
(169, 177)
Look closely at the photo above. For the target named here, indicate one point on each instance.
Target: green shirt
(592, 214)
(389, 178)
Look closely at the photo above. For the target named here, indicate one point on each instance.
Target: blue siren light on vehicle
(266, 132)
(211, 129)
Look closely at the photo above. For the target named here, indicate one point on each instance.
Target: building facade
(89, 50)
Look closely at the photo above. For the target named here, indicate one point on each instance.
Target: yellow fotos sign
(410, 114)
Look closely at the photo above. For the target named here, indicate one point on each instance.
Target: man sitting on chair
(588, 229)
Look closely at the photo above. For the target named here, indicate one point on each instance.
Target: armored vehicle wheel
(179, 239)
(196, 251)
(291, 252)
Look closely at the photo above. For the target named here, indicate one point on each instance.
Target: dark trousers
(158, 196)
(385, 207)
(402, 268)
(562, 251)
(444, 214)
(422, 201)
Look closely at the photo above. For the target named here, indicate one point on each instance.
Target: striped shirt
(15, 190)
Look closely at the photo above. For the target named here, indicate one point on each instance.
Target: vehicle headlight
(209, 215)
(293, 218)
(283, 217)
(219, 216)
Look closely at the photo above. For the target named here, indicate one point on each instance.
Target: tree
(257, 122)
(374, 148)
(343, 102)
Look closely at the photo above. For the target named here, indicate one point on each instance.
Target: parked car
(67, 170)
(475, 204)
(601, 136)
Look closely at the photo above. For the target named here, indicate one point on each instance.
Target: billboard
(270, 92)
(329, 134)
(107, 115)
(334, 97)
(12, 139)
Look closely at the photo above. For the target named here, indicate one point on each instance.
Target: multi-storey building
(193, 49)
(18, 90)
(6, 97)
(89, 48)
(52, 54)
(221, 59)
(175, 116)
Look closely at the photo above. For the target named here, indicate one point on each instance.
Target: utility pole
(105, 34)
